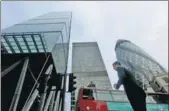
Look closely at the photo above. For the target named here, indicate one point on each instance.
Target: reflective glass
(25, 51)
(22, 43)
(3, 40)
(5, 44)
(41, 50)
(15, 47)
(24, 47)
(30, 43)
(33, 51)
(20, 39)
(17, 51)
(32, 47)
(40, 46)
(29, 39)
(38, 43)
(13, 44)
(11, 39)
(9, 51)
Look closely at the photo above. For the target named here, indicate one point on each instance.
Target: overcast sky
(143, 23)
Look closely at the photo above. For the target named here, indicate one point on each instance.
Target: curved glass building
(140, 62)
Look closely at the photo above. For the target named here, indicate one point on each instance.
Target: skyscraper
(88, 65)
(146, 69)
(44, 41)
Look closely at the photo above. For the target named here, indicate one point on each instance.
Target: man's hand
(115, 86)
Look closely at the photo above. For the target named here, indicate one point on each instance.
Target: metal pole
(30, 102)
(56, 105)
(10, 68)
(61, 104)
(17, 93)
(43, 95)
(49, 98)
(51, 105)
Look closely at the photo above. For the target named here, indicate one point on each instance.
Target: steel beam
(26, 43)
(34, 42)
(56, 105)
(28, 105)
(51, 105)
(18, 90)
(17, 43)
(43, 95)
(49, 99)
(10, 68)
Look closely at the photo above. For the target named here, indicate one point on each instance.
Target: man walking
(135, 93)
(91, 85)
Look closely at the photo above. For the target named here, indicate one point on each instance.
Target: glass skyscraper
(37, 39)
(46, 33)
(140, 62)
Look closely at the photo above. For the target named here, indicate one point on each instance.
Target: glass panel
(7, 48)
(29, 39)
(25, 51)
(40, 46)
(22, 43)
(33, 51)
(9, 51)
(37, 38)
(20, 39)
(24, 47)
(5, 44)
(13, 44)
(41, 50)
(11, 39)
(32, 47)
(38, 43)
(15, 47)
(17, 51)
(3, 40)
(104, 95)
(30, 43)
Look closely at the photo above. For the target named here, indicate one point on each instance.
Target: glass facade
(46, 33)
(88, 65)
(141, 63)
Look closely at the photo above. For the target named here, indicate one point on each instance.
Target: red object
(89, 104)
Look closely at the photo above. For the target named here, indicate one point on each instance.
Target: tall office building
(88, 65)
(148, 72)
(43, 40)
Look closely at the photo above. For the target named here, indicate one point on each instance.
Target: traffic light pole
(64, 91)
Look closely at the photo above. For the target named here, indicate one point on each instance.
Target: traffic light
(72, 82)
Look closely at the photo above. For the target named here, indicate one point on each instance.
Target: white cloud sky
(144, 23)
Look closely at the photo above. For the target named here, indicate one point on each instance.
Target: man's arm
(121, 75)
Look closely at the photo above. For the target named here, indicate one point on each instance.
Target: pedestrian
(91, 85)
(135, 94)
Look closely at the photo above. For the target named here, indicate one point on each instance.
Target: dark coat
(135, 93)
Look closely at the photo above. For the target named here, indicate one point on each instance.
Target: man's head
(116, 65)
